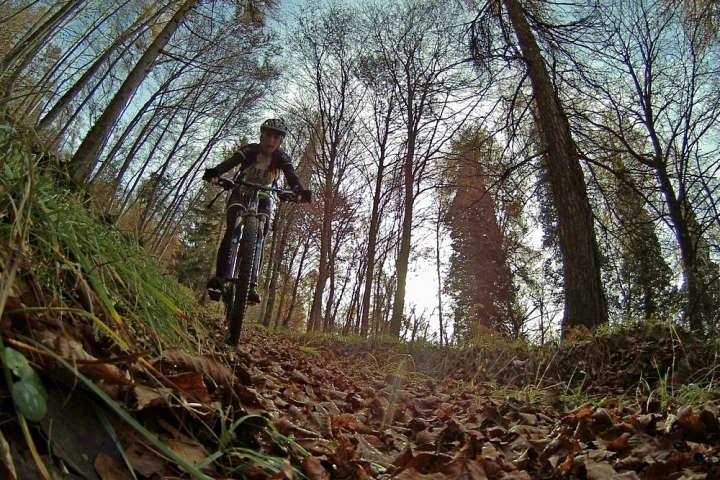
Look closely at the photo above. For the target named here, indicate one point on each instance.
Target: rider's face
(270, 140)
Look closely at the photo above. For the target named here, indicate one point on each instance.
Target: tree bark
(374, 226)
(584, 297)
(404, 253)
(277, 249)
(293, 297)
(701, 308)
(314, 319)
(438, 263)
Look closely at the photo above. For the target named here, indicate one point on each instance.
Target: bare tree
(86, 155)
(657, 76)
(418, 54)
(584, 297)
(325, 45)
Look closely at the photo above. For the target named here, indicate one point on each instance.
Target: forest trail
(343, 411)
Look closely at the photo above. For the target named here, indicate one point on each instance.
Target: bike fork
(258, 257)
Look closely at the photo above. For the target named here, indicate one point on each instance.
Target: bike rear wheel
(236, 312)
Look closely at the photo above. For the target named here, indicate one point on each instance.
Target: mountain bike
(247, 244)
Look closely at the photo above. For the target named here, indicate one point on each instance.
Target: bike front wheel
(236, 312)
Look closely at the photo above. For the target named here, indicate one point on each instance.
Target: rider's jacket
(258, 168)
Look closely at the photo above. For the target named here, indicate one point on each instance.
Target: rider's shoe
(215, 288)
(253, 296)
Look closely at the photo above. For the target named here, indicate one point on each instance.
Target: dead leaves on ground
(354, 421)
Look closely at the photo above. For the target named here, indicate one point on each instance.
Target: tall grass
(71, 261)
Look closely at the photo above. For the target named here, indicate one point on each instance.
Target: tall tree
(662, 91)
(416, 46)
(326, 48)
(381, 120)
(585, 302)
(480, 278)
(643, 270)
(15, 61)
(131, 33)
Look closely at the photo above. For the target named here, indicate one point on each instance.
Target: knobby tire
(244, 273)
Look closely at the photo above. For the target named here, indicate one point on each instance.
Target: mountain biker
(260, 163)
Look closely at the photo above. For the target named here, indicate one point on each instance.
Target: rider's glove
(210, 173)
(305, 196)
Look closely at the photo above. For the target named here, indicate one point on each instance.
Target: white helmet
(277, 124)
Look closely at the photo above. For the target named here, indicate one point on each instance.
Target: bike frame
(248, 236)
(251, 209)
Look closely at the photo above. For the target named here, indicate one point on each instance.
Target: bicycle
(247, 249)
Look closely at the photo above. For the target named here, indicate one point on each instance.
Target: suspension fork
(263, 218)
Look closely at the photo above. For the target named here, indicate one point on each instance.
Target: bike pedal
(253, 297)
(214, 294)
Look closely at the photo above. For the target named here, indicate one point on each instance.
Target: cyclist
(260, 163)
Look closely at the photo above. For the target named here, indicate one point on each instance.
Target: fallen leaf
(599, 470)
(314, 469)
(692, 424)
(565, 466)
(620, 443)
(412, 474)
(299, 377)
(73, 351)
(109, 468)
(286, 427)
(150, 397)
(192, 384)
(220, 374)
(189, 449)
(146, 462)
(75, 432)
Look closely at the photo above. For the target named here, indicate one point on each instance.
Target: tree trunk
(328, 319)
(283, 288)
(277, 248)
(372, 245)
(438, 262)
(314, 320)
(87, 154)
(584, 298)
(701, 308)
(293, 297)
(404, 253)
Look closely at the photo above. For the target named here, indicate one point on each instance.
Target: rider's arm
(239, 157)
(284, 162)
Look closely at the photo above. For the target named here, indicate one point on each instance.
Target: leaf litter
(353, 414)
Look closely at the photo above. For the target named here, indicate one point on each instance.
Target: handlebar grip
(226, 184)
(305, 196)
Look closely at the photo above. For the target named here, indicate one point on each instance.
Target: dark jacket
(247, 155)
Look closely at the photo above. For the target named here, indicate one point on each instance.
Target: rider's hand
(303, 196)
(213, 180)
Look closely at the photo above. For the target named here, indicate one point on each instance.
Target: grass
(70, 260)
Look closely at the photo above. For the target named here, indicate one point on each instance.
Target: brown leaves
(356, 422)
(73, 351)
(109, 468)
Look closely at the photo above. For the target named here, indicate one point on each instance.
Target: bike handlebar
(284, 195)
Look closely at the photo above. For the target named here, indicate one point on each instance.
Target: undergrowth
(71, 265)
